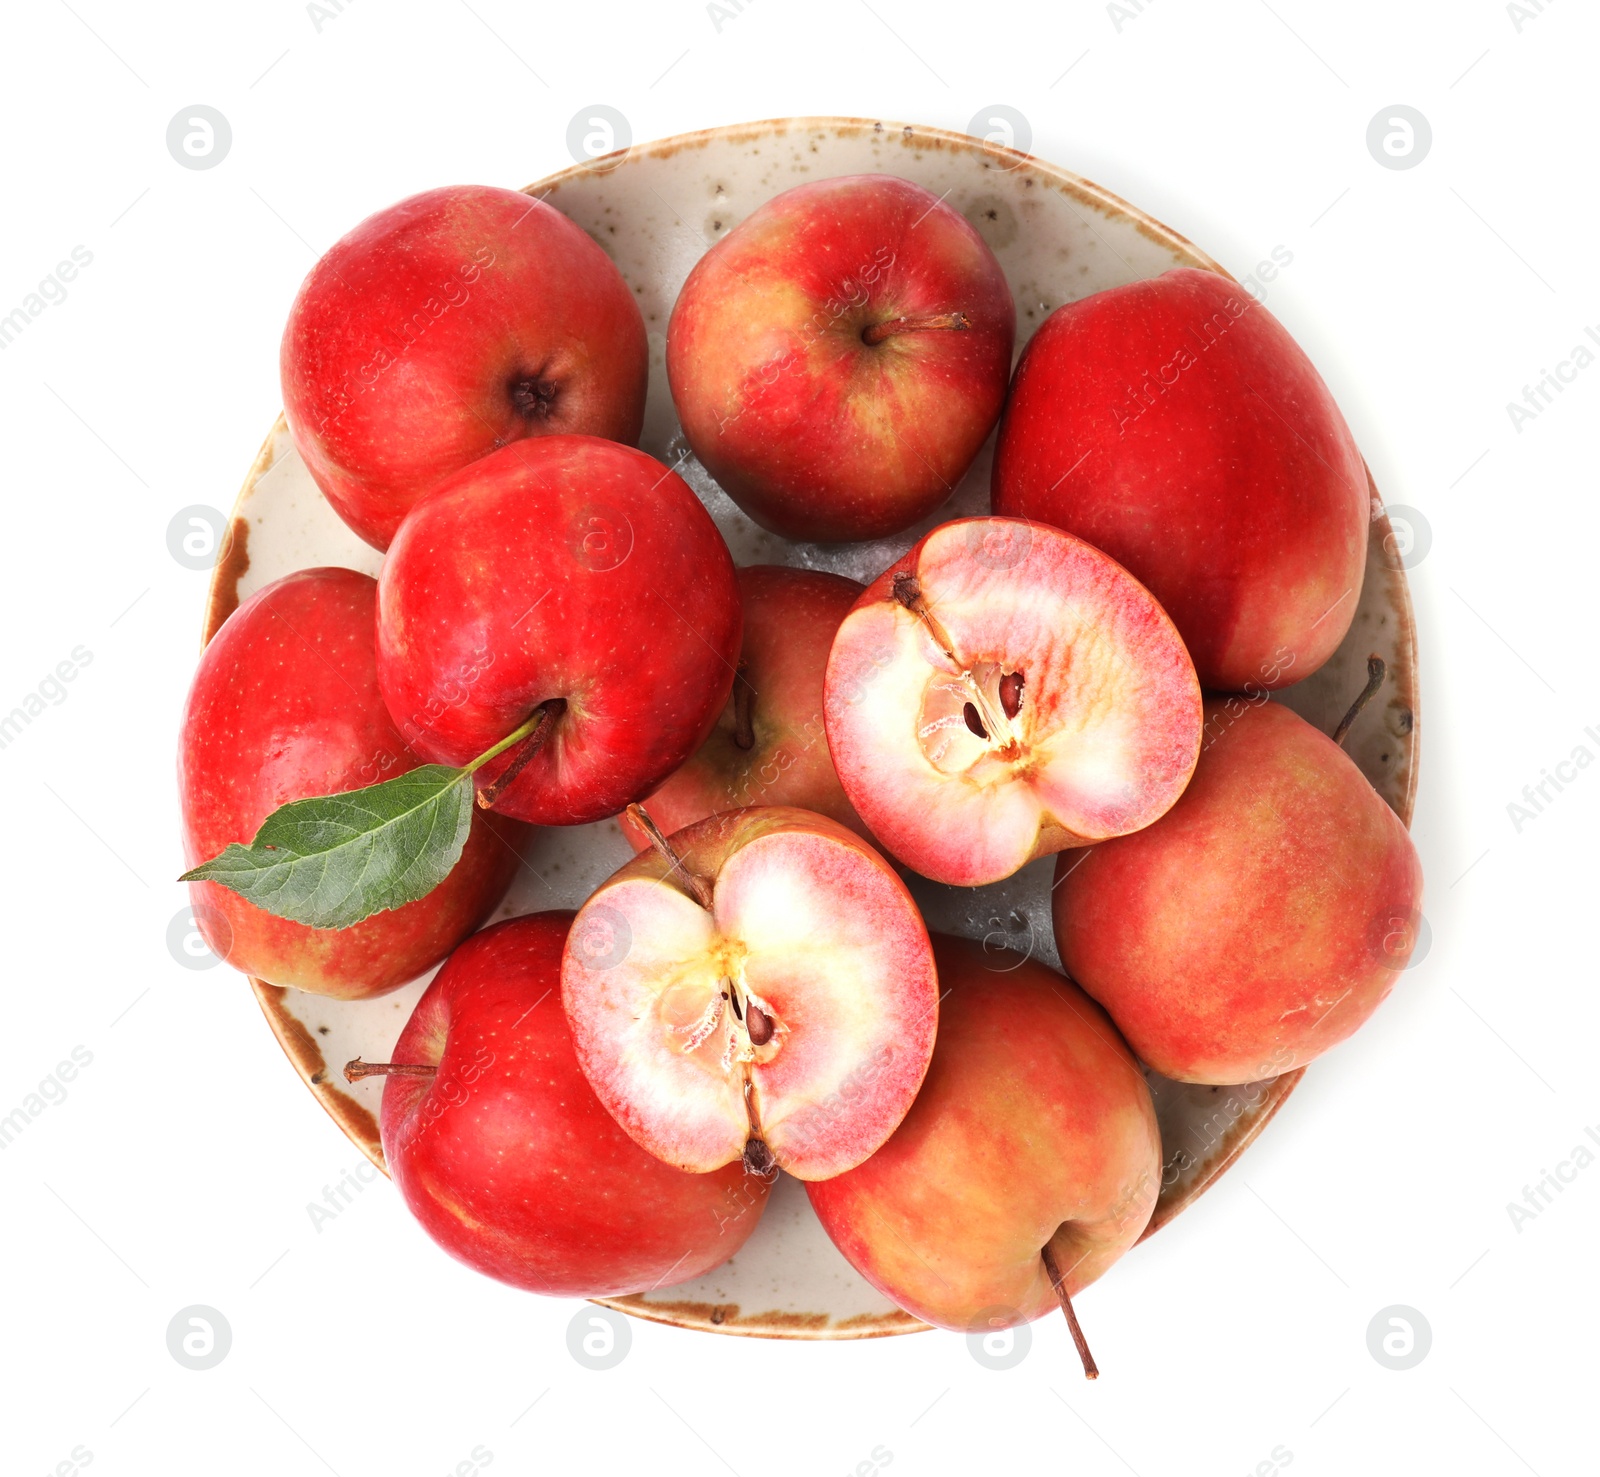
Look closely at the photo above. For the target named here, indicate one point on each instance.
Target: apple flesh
(839, 357)
(444, 327)
(760, 986)
(1261, 920)
(567, 574)
(1176, 425)
(1033, 1134)
(769, 746)
(285, 705)
(1003, 692)
(507, 1159)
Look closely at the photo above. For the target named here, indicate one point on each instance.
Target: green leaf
(331, 860)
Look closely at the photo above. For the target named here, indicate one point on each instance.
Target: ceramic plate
(655, 209)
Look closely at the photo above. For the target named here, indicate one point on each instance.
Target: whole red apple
(769, 747)
(285, 705)
(444, 327)
(758, 986)
(506, 1157)
(839, 357)
(1033, 1142)
(1176, 425)
(567, 574)
(1257, 923)
(1005, 691)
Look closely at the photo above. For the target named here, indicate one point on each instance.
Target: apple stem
(665, 850)
(744, 697)
(757, 1155)
(876, 333)
(996, 726)
(532, 735)
(356, 1070)
(1091, 1370)
(1376, 669)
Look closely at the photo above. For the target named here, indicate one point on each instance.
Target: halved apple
(760, 985)
(1003, 692)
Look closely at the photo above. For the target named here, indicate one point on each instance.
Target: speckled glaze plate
(655, 208)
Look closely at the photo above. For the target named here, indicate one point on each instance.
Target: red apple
(506, 1157)
(769, 746)
(1261, 920)
(444, 327)
(1030, 1159)
(758, 986)
(838, 358)
(573, 575)
(285, 705)
(1174, 424)
(1005, 691)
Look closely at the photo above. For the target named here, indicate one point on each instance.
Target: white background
(180, 1165)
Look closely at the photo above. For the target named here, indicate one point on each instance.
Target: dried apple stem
(356, 1070)
(531, 735)
(1091, 1370)
(665, 850)
(876, 333)
(1376, 670)
(757, 1156)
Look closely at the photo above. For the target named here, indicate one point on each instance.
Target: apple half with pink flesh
(1030, 1161)
(769, 746)
(759, 986)
(1006, 691)
(503, 1154)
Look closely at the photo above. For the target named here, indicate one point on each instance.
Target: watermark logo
(1005, 133)
(599, 1338)
(1399, 137)
(1399, 940)
(999, 543)
(199, 1337)
(1410, 534)
(1399, 1337)
(601, 938)
(996, 1340)
(199, 537)
(600, 537)
(599, 136)
(199, 936)
(199, 137)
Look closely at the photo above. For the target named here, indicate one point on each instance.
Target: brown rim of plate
(222, 599)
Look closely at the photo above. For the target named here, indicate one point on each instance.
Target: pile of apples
(598, 1104)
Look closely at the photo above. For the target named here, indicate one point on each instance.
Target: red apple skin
(1261, 920)
(1236, 494)
(443, 327)
(1034, 1125)
(285, 705)
(508, 1159)
(790, 617)
(813, 432)
(565, 568)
